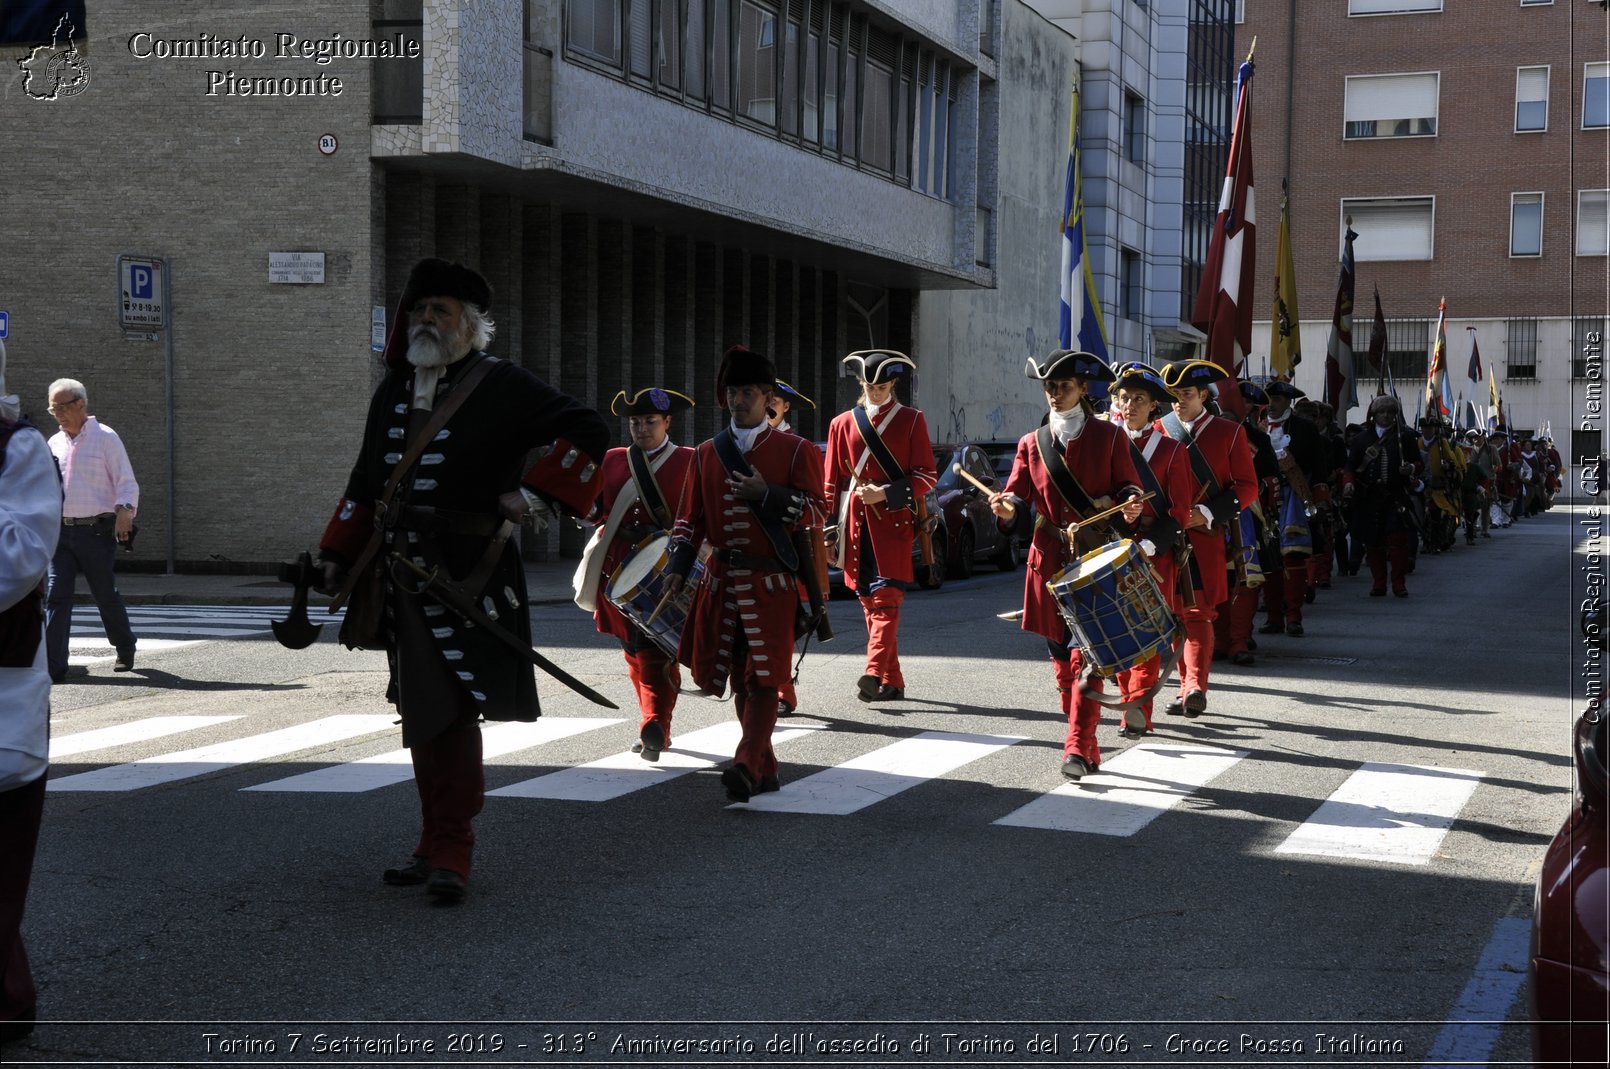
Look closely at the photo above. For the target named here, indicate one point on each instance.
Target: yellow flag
(1285, 335)
(1492, 396)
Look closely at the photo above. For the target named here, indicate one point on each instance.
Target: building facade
(1467, 143)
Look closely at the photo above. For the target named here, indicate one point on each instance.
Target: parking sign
(140, 294)
(5, 324)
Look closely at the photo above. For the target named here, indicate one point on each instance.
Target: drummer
(1139, 399)
(641, 487)
(1092, 461)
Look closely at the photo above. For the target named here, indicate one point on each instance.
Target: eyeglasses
(65, 405)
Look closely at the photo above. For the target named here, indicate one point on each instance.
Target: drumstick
(869, 505)
(655, 615)
(1108, 512)
(970, 477)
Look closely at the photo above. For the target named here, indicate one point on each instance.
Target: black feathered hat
(740, 367)
(875, 366)
(433, 277)
(1069, 364)
(650, 401)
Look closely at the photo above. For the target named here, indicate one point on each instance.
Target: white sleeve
(30, 515)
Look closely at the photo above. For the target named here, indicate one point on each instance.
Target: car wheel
(934, 578)
(1007, 559)
(961, 566)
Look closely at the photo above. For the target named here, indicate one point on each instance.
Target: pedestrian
(1383, 470)
(1221, 461)
(30, 525)
(102, 498)
(1065, 470)
(1164, 470)
(640, 490)
(880, 467)
(750, 488)
(452, 508)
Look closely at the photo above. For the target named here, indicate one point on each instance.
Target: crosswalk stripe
(152, 727)
(173, 629)
(621, 774)
(1386, 812)
(881, 774)
(1132, 789)
(204, 759)
(384, 770)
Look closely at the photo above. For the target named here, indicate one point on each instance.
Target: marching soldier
(1248, 572)
(1221, 461)
(1067, 470)
(1301, 454)
(1383, 469)
(750, 486)
(880, 466)
(782, 401)
(641, 486)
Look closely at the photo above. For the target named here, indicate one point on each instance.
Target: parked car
(1570, 961)
(961, 527)
(1001, 454)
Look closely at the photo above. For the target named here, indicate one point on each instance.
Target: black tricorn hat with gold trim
(793, 395)
(1199, 373)
(1134, 375)
(1069, 364)
(650, 401)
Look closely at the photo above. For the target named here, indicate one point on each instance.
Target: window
(594, 29)
(638, 41)
(757, 67)
(1391, 7)
(1587, 348)
(1593, 222)
(668, 43)
(1520, 349)
(1134, 128)
(1526, 224)
(1391, 228)
(399, 84)
(1391, 105)
(1240, 11)
(1596, 94)
(1531, 98)
(1535, 3)
(1132, 295)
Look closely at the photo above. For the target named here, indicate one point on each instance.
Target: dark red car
(1571, 915)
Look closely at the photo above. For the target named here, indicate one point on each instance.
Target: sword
(450, 597)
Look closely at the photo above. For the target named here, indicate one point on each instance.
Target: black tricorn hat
(793, 395)
(1199, 373)
(1069, 364)
(874, 366)
(650, 401)
(740, 367)
(434, 277)
(1282, 388)
(1137, 376)
(1253, 394)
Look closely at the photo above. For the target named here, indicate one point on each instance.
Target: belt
(747, 560)
(86, 521)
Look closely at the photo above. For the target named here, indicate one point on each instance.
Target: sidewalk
(547, 583)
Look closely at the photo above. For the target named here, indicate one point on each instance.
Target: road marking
(187, 764)
(1477, 1019)
(621, 774)
(881, 774)
(397, 766)
(1386, 812)
(1131, 790)
(152, 727)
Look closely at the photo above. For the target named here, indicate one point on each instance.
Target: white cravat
(1065, 426)
(745, 436)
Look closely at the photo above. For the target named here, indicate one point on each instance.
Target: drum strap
(648, 487)
(731, 459)
(591, 570)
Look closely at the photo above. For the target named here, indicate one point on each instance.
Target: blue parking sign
(5, 324)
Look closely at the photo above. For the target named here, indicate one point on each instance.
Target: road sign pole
(167, 374)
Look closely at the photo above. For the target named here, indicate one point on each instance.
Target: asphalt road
(663, 915)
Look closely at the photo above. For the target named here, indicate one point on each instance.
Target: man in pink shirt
(101, 498)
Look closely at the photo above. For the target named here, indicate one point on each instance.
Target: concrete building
(643, 181)
(1468, 144)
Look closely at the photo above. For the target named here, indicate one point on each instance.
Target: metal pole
(167, 388)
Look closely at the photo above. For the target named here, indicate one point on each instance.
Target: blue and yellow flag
(1080, 326)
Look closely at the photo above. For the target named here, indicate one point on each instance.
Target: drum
(638, 585)
(1111, 603)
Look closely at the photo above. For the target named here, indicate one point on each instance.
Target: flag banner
(1080, 325)
(1285, 327)
(1224, 302)
(1438, 392)
(1378, 343)
(1473, 371)
(1341, 388)
(1494, 402)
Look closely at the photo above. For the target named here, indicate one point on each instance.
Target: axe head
(296, 631)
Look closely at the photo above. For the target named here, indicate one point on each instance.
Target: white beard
(425, 349)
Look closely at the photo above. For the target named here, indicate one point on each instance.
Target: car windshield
(948, 479)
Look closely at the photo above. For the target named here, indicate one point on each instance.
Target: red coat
(1224, 444)
(892, 527)
(761, 601)
(1172, 467)
(1100, 459)
(635, 525)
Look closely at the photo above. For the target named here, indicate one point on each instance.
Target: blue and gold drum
(1112, 605)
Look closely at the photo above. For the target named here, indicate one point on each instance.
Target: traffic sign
(5, 324)
(141, 291)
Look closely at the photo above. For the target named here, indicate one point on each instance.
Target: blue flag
(1080, 325)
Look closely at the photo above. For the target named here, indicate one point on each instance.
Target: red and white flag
(1224, 302)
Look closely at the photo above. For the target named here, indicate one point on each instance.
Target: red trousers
(1396, 554)
(882, 612)
(1133, 682)
(1082, 714)
(452, 789)
(656, 678)
(1285, 589)
(1197, 654)
(20, 811)
(757, 712)
(1232, 625)
(1324, 555)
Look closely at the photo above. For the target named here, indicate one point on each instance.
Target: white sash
(841, 544)
(589, 570)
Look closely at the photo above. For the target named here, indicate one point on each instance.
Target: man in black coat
(1300, 454)
(452, 507)
(1383, 470)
